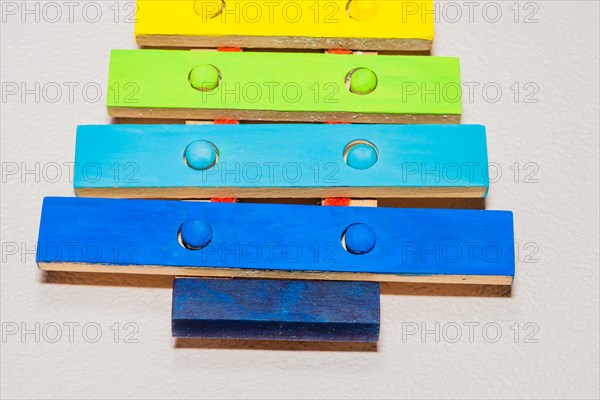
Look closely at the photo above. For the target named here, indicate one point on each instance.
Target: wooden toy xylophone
(280, 271)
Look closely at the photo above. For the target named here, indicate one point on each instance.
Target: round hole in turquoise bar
(195, 234)
(201, 155)
(361, 154)
(359, 239)
(205, 77)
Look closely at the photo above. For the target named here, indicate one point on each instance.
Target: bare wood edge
(272, 274)
(280, 192)
(198, 122)
(287, 116)
(286, 42)
(363, 203)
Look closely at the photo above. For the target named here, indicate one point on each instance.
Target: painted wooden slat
(281, 160)
(258, 309)
(358, 24)
(283, 86)
(274, 240)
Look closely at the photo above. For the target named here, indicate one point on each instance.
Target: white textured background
(556, 222)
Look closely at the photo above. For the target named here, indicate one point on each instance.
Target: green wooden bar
(309, 87)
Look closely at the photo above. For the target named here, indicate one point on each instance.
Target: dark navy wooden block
(259, 309)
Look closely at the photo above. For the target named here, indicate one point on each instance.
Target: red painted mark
(336, 201)
(339, 51)
(229, 49)
(224, 200)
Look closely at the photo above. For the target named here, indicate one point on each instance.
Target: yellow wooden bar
(394, 25)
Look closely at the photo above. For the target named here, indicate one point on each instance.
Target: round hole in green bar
(204, 77)
(361, 81)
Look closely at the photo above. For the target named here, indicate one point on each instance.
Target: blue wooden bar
(276, 241)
